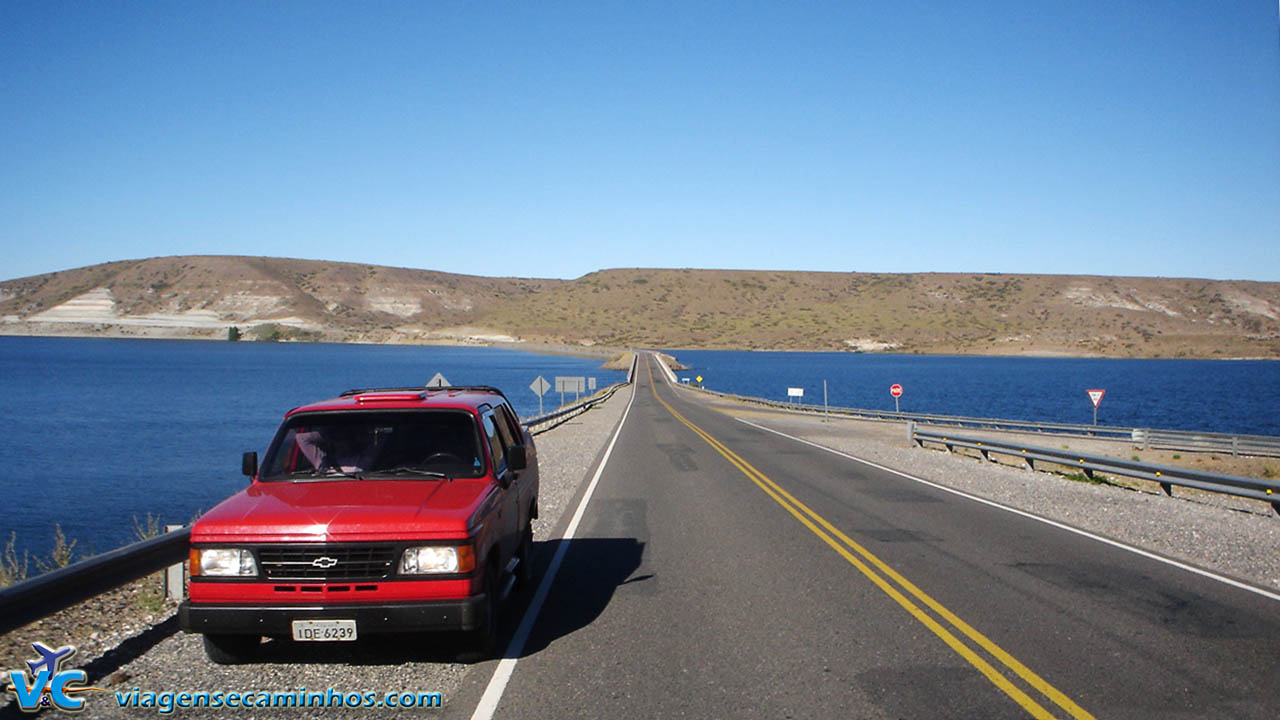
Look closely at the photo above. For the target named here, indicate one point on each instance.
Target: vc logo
(49, 685)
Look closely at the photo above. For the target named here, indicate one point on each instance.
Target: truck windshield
(409, 444)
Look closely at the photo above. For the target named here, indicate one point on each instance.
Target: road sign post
(1095, 396)
(576, 385)
(540, 387)
(896, 391)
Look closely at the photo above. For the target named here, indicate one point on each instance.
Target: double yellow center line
(889, 581)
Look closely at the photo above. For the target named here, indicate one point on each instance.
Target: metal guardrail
(45, 594)
(1265, 445)
(566, 413)
(957, 420)
(1190, 441)
(1166, 475)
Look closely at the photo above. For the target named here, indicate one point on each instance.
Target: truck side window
(513, 425)
(504, 428)
(496, 448)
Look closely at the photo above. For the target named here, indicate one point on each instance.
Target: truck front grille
(327, 562)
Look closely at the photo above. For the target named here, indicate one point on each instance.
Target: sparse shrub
(151, 597)
(1097, 478)
(62, 554)
(273, 332)
(13, 570)
(148, 530)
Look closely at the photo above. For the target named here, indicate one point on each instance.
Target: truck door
(508, 506)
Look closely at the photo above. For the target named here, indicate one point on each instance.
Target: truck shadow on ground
(590, 573)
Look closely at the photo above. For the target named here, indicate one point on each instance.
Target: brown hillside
(922, 313)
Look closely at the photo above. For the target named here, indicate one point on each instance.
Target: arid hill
(272, 298)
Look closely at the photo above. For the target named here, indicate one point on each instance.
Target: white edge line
(667, 373)
(1032, 516)
(488, 704)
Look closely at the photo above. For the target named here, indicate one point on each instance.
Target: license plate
(324, 630)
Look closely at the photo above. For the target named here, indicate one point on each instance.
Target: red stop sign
(895, 390)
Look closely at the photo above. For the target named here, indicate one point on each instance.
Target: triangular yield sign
(1096, 396)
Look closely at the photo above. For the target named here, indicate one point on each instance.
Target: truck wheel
(231, 649)
(524, 571)
(482, 642)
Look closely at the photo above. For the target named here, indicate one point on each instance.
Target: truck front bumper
(226, 619)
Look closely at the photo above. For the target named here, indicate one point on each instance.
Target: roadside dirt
(94, 626)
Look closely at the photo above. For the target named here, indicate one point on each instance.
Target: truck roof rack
(359, 391)
(425, 390)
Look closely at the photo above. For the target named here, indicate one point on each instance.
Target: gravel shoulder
(124, 647)
(1236, 537)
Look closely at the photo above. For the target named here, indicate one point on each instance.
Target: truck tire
(482, 642)
(524, 571)
(231, 649)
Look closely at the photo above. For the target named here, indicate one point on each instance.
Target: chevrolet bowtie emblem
(324, 563)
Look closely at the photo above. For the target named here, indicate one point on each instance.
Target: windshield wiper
(410, 470)
(319, 475)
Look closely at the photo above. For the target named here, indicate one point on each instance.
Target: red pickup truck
(380, 511)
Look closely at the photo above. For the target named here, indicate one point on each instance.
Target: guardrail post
(1235, 446)
(911, 430)
(173, 574)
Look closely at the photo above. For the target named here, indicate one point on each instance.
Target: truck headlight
(224, 562)
(437, 560)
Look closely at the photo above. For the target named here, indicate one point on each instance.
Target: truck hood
(345, 510)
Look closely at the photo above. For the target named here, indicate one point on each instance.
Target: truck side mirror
(517, 459)
(249, 464)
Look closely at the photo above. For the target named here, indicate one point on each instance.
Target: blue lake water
(94, 432)
(1236, 396)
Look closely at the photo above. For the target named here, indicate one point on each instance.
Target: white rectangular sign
(571, 384)
(795, 392)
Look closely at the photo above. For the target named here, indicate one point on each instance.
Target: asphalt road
(723, 571)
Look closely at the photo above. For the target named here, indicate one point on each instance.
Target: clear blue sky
(553, 139)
